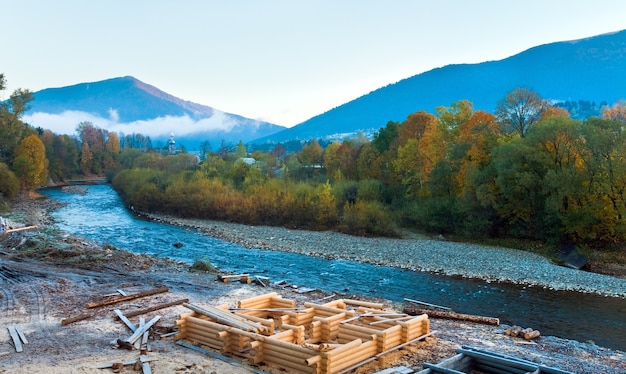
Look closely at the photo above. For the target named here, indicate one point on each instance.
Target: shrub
(203, 265)
(368, 219)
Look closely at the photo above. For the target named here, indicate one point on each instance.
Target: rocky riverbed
(415, 253)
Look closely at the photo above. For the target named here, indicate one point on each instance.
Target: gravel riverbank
(438, 256)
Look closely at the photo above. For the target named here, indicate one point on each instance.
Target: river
(101, 215)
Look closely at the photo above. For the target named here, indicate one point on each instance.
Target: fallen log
(20, 229)
(452, 315)
(129, 297)
(155, 308)
(80, 317)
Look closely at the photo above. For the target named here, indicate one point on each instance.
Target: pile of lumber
(316, 338)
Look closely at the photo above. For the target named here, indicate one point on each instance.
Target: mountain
(127, 105)
(591, 69)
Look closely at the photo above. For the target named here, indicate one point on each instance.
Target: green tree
(520, 109)
(12, 129)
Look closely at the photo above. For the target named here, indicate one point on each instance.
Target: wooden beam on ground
(122, 292)
(145, 364)
(20, 333)
(17, 343)
(20, 229)
(126, 321)
(155, 308)
(80, 317)
(125, 363)
(2, 354)
(128, 297)
(456, 316)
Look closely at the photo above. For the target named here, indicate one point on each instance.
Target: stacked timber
(319, 338)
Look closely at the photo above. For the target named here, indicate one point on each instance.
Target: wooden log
(226, 318)
(533, 334)
(16, 339)
(364, 304)
(155, 308)
(256, 298)
(80, 317)
(287, 364)
(20, 229)
(128, 297)
(455, 316)
(288, 352)
(125, 363)
(213, 343)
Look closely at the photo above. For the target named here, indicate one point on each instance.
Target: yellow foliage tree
(30, 163)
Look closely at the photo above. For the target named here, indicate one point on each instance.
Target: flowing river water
(101, 215)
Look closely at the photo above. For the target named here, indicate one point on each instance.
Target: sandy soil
(37, 294)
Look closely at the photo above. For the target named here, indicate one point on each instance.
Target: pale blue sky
(282, 61)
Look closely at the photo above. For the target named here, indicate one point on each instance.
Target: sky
(281, 61)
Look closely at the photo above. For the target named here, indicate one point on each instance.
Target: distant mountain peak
(128, 105)
(589, 69)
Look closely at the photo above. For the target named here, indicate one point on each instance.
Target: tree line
(528, 170)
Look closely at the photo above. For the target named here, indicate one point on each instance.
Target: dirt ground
(36, 294)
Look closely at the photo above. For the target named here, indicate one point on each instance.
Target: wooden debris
(125, 345)
(2, 354)
(517, 331)
(125, 363)
(155, 308)
(126, 321)
(228, 278)
(17, 343)
(20, 333)
(452, 315)
(20, 229)
(121, 292)
(140, 331)
(80, 317)
(128, 297)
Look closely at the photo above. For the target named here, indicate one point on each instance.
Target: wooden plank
(123, 318)
(155, 308)
(226, 318)
(121, 292)
(426, 304)
(16, 339)
(145, 364)
(2, 354)
(20, 333)
(80, 317)
(128, 297)
(133, 338)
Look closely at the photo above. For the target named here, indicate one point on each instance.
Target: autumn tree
(617, 112)
(30, 163)
(12, 129)
(422, 145)
(519, 110)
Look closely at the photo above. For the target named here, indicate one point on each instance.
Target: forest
(527, 171)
